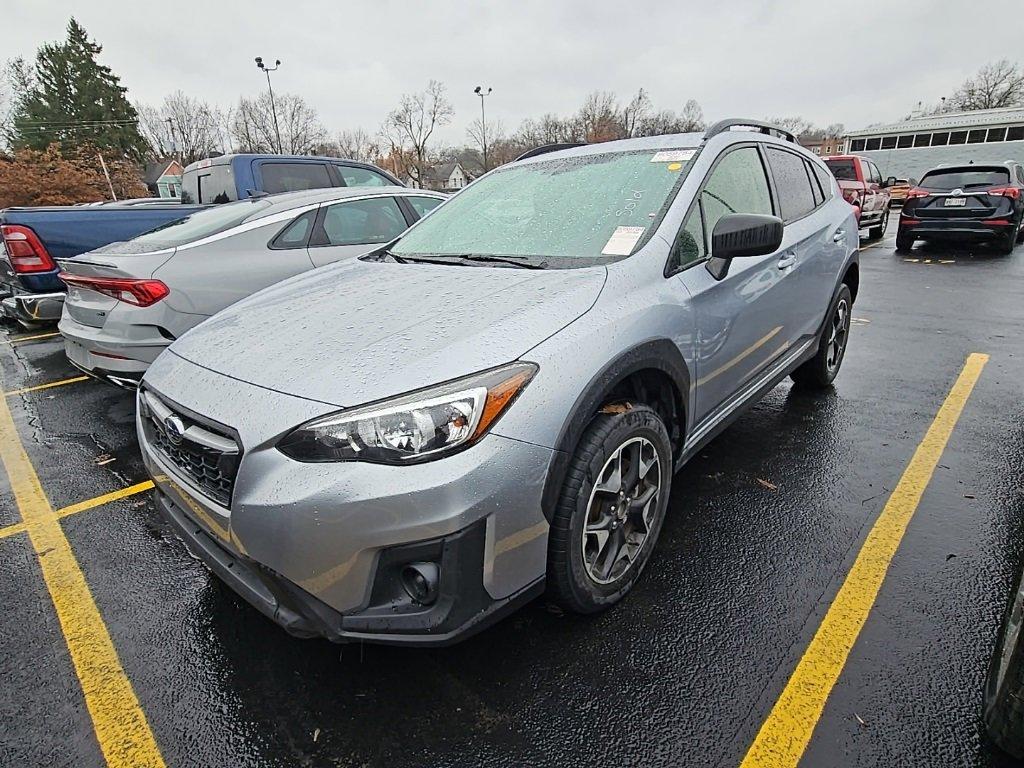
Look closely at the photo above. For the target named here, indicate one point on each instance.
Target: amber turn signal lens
(499, 397)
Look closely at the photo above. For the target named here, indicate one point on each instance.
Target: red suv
(863, 188)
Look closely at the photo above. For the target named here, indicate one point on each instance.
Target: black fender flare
(660, 354)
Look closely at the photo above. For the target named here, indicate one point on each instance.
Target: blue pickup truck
(33, 239)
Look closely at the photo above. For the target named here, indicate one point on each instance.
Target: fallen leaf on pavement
(766, 484)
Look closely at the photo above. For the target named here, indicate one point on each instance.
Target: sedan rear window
(198, 225)
(963, 178)
(844, 170)
(570, 208)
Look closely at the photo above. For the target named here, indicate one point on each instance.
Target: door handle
(839, 236)
(787, 260)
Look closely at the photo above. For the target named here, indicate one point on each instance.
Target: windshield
(961, 178)
(574, 208)
(843, 170)
(200, 224)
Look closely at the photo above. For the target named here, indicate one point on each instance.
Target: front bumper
(462, 607)
(319, 547)
(34, 308)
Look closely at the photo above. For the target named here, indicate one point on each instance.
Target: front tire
(821, 370)
(1004, 687)
(610, 510)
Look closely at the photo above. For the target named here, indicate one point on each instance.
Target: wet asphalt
(682, 673)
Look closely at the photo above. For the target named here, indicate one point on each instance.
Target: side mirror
(891, 181)
(742, 234)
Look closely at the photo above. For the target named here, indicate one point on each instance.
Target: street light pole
(273, 106)
(479, 91)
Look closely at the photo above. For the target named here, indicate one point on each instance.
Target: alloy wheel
(838, 333)
(622, 510)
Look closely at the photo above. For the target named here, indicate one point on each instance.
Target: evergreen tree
(70, 98)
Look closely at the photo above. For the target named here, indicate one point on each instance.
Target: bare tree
(414, 121)
(691, 119)
(999, 84)
(182, 126)
(253, 126)
(495, 134)
(634, 113)
(795, 125)
(600, 117)
(359, 145)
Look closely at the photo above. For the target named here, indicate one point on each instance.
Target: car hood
(360, 331)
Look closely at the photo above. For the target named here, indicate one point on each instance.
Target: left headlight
(422, 425)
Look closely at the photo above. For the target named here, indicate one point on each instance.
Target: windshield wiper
(512, 261)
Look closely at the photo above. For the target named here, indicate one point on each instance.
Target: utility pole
(175, 149)
(273, 106)
(479, 91)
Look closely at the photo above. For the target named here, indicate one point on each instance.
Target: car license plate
(953, 202)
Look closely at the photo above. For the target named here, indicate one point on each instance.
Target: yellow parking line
(82, 506)
(37, 387)
(16, 339)
(106, 498)
(784, 735)
(120, 724)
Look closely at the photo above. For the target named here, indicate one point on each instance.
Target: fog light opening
(420, 581)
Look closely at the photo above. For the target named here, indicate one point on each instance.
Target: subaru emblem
(174, 428)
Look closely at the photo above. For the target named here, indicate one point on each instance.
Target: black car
(967, 202)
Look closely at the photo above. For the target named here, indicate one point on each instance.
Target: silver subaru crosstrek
(404, 447)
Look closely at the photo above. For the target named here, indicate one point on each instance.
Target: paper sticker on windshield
(674, 156)
(622, 241)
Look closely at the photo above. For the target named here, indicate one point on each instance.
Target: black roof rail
(758, 125)
(543, 150)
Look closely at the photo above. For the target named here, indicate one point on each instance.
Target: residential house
(163, 177)
(447, 177)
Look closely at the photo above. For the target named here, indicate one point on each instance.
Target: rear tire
(878, 232)
(821, 370)
(1004, 687)
(1007, 242)
(610, 510)
(904, 241)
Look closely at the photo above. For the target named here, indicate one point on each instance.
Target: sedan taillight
(25, 250)
(1011, 192)
(141, 293)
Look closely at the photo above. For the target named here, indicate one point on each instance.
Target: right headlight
(420, 426)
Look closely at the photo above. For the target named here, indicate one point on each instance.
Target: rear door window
(844, 170)
(290, 177)
(359, 222)
(791, 183)
(362, 177)
(949, 179)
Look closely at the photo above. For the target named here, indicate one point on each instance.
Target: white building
(910, 148)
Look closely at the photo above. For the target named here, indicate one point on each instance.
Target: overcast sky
(855, 62)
